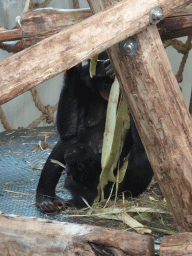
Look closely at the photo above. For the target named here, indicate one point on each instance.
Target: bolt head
(128, 46)
(156, 15)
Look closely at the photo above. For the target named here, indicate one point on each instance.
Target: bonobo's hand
(50, 204)
(109, 69)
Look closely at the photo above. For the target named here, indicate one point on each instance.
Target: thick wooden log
(23, 71)
(40, 24)
(161, 117)
(177, 245)
(31, 236)
(176, 25)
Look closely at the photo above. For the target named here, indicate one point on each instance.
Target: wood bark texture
(38, 25)
(10, 35)
(24, 70)
(176, 25)
(41, 24)
(177, 245)
(161, 117)
(31, 236)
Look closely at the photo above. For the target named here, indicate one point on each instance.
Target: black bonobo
(80, 123)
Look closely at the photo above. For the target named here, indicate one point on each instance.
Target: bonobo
(80, 123)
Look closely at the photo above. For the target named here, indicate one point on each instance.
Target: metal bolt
(128, 46)
(156, 15)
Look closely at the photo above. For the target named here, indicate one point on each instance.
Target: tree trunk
(161, 116)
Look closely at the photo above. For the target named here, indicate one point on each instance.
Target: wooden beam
(161, 116)
(31, 236)
(40, 24)
(177, 245)
(176, 25)
(23, 71)
(10, 35)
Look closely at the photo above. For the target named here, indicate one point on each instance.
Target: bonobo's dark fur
(83, 168)
(80, 122)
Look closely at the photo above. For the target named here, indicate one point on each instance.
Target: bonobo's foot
(50, 204)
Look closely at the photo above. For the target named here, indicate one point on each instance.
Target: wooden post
(160, 114)
(24, 70)
(31, 236)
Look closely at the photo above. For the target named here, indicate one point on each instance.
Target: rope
(75, 4)
(185, 50)
(48, 111)
(43, 117)
(27, 6)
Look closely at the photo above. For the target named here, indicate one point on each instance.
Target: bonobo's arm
(139, 172)
(46, 198)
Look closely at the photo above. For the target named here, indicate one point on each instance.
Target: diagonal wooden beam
(160, 114)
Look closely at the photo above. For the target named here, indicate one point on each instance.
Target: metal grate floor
(19, 178)
(19, 154)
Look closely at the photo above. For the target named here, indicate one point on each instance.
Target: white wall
(21, 111)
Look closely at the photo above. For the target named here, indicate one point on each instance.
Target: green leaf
(93, 65)
(116, 128)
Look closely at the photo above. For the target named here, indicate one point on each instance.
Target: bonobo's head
(101, 82)
(81, 163)
(104, 76)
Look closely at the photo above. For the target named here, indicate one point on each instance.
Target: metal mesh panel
(18, 155)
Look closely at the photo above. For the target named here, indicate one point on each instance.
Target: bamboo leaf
(116, 128)
(128, 220)
(57, 162)
(93, 65)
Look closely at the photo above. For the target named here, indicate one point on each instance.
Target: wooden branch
(10, 35)
(40, 24)
(177, 245)
(161, 116)
(23, 71)
(43, 23)
(31, 236)
(176, 25)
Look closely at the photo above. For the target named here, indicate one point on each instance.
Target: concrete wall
(21, 111)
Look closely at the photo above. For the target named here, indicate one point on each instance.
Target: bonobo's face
(79, 160)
